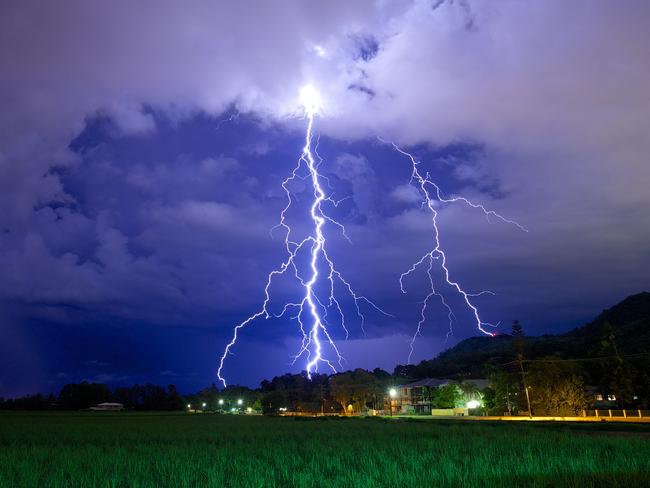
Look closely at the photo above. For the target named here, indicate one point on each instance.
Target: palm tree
(470, 391)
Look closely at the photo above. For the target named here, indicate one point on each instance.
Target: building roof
(436, 382)
(481, 384)
(431, 382)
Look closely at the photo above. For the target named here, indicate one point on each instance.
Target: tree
(29, 402)
(502, 396)
(342, 388)
(365, 389)
(379, 387)
(295, 392)
(83, 395)
(470, 391)
(129, 396)
(356, 388)
(557, 387)
(174, 400)
(618, 375)
(405, 371)
(448, 396)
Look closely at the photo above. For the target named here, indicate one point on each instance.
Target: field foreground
(181, 450)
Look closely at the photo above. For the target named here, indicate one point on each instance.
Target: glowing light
(392, 392)
(240, 401)
(310, 99)
(473, 404)
(320, 51)
(432, 197)
(310, 309)
(221, 401)
(203, 404)
(189, 406)
(249, 409)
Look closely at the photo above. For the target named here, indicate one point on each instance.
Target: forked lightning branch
(315, 311)
(312, 311)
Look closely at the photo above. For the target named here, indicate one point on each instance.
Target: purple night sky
(143, 146)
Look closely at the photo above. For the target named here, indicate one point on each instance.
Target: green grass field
(180, 450)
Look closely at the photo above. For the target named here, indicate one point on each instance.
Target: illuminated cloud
(130, 142)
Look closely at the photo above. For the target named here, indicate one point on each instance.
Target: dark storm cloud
(142, 147)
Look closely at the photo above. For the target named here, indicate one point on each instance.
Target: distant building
(416, 397)
(107, 407)
(605, 399)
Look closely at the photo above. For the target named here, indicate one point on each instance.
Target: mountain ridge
(629, 320)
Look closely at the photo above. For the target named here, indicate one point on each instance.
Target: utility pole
(322, 401)
(523, 380)
(618, 371)
(518, 343)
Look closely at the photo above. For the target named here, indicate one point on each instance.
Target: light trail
(310, 310)
(432, 195)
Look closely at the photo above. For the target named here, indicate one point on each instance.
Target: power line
(575, 360)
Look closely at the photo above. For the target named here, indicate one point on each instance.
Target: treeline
(352, 391)
(555, 387)
(357, 390)
(561, 385)
(79, 396)
(608, 356)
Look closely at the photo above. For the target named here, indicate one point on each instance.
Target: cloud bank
(136, 138)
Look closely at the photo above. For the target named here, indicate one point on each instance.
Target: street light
(203, 404)
(393, 394)
(240, 401)
(189, 406)
(220, 401)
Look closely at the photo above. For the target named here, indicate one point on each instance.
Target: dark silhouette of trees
(518, 344)
(343, 388)
(149, 397)
(617, 374)
(29, 402)
(77, 396)
(503, 396)
(80, 396)
(294, 392)
(360, 389)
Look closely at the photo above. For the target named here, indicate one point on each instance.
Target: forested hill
(629, 321)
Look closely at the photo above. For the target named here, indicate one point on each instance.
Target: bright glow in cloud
(310, 99)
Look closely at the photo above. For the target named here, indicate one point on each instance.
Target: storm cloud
(142, 147)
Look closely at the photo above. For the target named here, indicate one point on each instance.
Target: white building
(107, 407)
(416, 397)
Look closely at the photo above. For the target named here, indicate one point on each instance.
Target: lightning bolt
(310, 310)
(432, 196)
